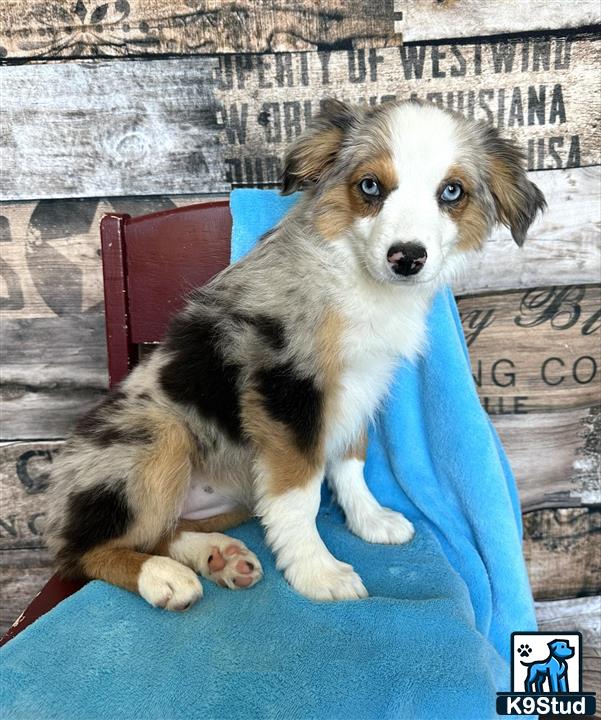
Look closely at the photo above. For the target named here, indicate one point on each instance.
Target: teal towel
(431, 641)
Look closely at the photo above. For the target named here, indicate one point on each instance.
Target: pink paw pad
(216, 561)
(230, 570)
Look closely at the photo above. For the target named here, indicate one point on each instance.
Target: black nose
(407, 258)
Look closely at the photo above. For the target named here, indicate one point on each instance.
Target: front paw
(382, 525)
(325, 579)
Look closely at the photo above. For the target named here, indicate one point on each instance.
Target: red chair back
(149, 264)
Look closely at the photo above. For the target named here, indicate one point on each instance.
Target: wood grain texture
(554, 456)
(431, 19)
(53, 352)
(203, 124)
(109, 128)
(535, 90)
(130, 28)
(50, 412)
(561, 548)
(583, 615)
(19, 583)
(535, 350)
(24, 478)
(92, 28)
(563, 245)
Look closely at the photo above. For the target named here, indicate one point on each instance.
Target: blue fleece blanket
(431, 641)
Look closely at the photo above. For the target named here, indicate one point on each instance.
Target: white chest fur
(383, 327)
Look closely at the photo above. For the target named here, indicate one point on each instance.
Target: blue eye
(452, 192)
(370, 187)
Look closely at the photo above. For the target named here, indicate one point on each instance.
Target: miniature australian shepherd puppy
(266, 380)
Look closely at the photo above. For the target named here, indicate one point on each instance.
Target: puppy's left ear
(517, 200)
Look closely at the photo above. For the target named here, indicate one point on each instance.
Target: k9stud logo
(546, 676)
(543, 663)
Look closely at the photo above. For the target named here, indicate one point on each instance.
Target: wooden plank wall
(140, 105)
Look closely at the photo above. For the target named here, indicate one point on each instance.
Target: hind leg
(161, 581)
(531, 678)
(540, 683)
(109, 529)
(217, 557)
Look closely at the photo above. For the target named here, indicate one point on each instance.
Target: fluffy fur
(266, 380)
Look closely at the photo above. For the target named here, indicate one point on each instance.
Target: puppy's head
(408, 188)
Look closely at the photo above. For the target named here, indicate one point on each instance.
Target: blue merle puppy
(266, 380)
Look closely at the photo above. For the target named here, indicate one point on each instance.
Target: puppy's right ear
(315, 150)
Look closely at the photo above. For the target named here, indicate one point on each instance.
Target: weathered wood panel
(563, 245)
(53, 352)
(24, 477)
(154, 27)
(109, 128)
(163, 126)
(535, 350)
(157, 27)
(583, 615)
(431, 19)
(555, 457)
(50, 413)
(531, 89)
(24, 563)
(19, 584)
(561, 548)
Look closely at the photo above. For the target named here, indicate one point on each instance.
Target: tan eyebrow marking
(470, 217)
(344, 202)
